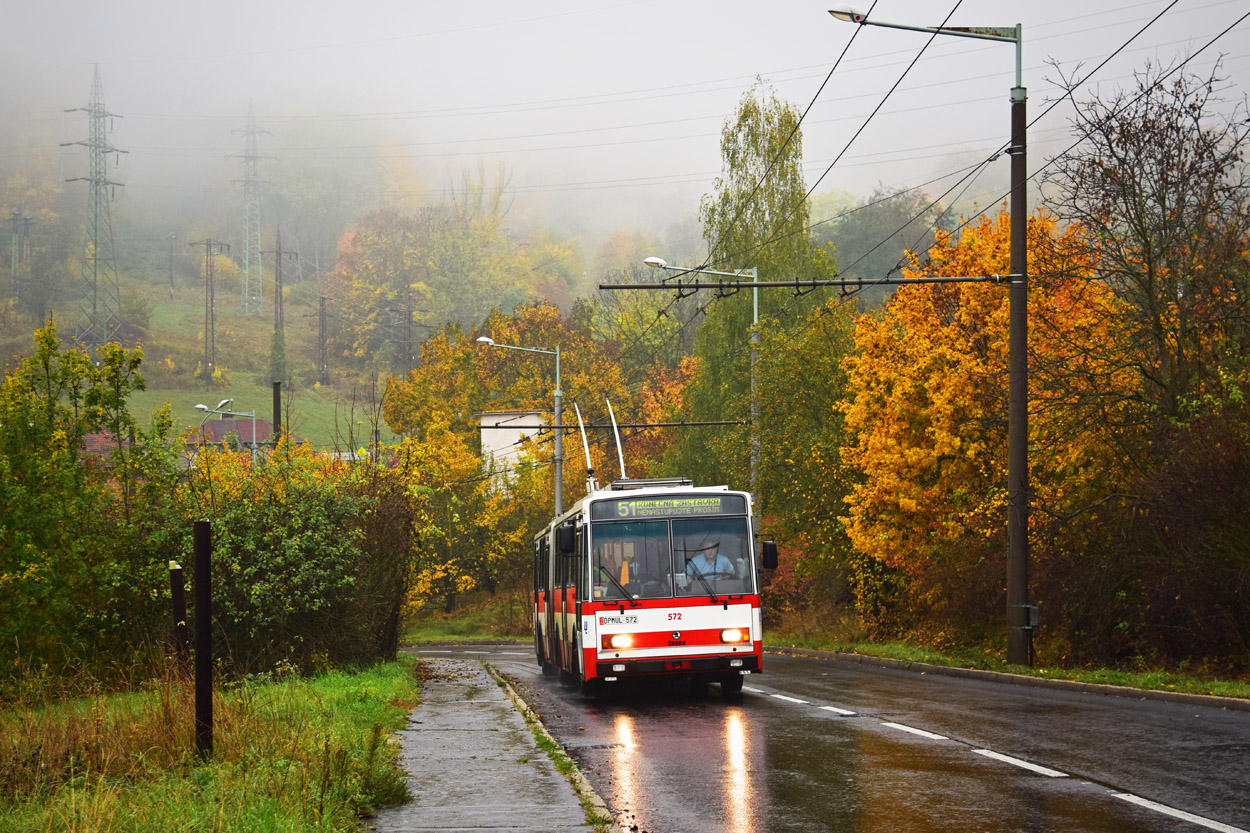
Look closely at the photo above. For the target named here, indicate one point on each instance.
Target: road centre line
(1007, 759)
(791, 699)
(431, 651)
(914, 731)
(836, 710)
(477, 652)
(753, 690)
(1178, 814)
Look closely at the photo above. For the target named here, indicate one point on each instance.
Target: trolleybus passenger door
(577, 581)
(566, 546)
(549, 570)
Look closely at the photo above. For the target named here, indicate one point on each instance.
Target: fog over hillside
(604, 114)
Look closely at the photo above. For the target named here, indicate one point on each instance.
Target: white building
(503, 433)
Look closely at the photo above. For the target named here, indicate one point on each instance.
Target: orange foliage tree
(481, 518)
(927, 413)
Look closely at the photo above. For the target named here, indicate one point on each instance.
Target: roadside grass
(990, 658)
(289, 754)
(477, 618)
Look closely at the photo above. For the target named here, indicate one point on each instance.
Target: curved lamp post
(557, 422)
(753, 274)
(1020, 614)
(208, 412)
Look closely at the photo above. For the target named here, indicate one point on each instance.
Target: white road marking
(915, 731)
(430, 651)
(477, 652)
(1007, 759)
(515, 653)
(753, 690)
(836, 710)
(1178, 814)
(790, 699)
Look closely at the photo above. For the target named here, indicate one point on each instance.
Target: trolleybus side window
(631, 560)
(713, 556)
(542, 561)
(577, 561)
(562, 569)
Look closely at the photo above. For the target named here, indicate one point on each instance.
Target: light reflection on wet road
(785, 756)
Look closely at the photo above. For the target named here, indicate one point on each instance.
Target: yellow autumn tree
(927, 413)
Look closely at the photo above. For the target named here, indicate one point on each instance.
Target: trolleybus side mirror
(770, 555)
(567, 539)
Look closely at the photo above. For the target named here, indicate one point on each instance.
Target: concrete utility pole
(100, 312)
(1021, 616)
(323, 364)
(279, 320)
(212, 248)
(171, 237)
(252, 271)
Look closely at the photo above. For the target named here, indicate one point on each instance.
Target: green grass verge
(289, 755)
(319, 416)
(990, 659)
(485, 618)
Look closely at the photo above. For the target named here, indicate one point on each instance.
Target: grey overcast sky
(606, 112)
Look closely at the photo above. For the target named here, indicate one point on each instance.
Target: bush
(300, 574)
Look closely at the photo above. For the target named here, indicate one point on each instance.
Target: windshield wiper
(632, 601)
(707, 584)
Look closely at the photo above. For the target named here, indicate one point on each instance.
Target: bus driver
(709, 563)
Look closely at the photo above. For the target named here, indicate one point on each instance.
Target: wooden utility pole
(212, 248)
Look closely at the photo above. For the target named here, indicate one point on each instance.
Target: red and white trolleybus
(650, 579)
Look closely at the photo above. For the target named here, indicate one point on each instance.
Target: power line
(711, 256)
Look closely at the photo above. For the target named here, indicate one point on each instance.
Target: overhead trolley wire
(1086, 134)
(789, 138)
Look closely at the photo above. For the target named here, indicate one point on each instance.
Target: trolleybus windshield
(659, 559)
(713, 557)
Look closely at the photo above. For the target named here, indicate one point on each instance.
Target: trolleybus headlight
(619, 641)
(733, 635)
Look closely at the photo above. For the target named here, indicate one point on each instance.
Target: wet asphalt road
(814, 745)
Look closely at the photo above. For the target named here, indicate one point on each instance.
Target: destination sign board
(682, 506)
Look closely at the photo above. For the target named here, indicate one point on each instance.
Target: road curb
(1209, 700)
(580, 783)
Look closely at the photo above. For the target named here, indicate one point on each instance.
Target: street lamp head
(223, 403)
(201, 407)
(656, 262)
(487, 340)
(849, 14)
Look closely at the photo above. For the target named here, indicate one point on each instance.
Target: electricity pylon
(252, 288)
(100, 312)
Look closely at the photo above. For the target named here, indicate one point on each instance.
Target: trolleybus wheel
(731, 685)
(549, 670)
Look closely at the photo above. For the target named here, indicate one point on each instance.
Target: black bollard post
(177, 587)
(203, 536)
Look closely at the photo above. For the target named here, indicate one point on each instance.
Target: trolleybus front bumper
(684, 665)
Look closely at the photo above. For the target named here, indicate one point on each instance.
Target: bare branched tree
(1160, 183)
